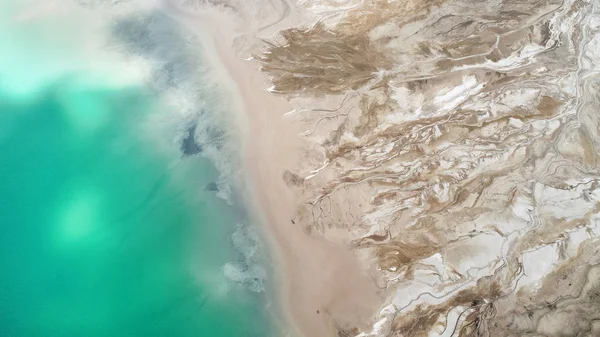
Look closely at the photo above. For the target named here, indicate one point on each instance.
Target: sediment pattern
(454, 145)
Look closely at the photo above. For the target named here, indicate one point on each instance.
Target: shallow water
(107, 228)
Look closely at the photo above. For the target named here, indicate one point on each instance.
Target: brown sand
(323, 289)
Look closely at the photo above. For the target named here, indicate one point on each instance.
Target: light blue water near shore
(107, 228)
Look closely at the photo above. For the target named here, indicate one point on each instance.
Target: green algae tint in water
(102, 235)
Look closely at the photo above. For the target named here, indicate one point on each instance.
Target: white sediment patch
(78, 48)
(179, 74)
(248, 272)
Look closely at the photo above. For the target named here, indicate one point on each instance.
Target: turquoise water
(104, 233)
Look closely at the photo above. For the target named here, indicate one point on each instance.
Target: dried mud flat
(452, 147)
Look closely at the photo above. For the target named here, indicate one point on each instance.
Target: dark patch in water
(213, 187)
(189, 145)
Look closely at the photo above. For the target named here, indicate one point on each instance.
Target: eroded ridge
(454, 145)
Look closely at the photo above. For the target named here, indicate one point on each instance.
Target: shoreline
(322, 288)
(428, 173)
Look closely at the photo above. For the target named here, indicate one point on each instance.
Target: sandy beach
(322, 286)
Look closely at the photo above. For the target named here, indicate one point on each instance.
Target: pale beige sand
(323, 288)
